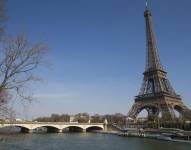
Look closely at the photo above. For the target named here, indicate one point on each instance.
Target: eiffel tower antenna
(148, 4)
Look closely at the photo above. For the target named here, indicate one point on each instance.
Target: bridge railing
(57, 123)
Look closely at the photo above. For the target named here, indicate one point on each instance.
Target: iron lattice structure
(156, 94)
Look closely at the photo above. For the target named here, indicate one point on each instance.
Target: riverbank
(158, 135)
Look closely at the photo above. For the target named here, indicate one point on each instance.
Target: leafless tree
(18, 60)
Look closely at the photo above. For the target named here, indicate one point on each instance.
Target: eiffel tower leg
(184, 111)
(134, 111)
(168, 113)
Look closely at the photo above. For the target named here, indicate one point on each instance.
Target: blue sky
(97, 51)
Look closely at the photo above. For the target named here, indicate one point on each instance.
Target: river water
(84, 141)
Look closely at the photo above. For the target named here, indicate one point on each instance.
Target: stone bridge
(59, 127)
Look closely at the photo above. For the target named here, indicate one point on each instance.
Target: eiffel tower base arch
(164, 105)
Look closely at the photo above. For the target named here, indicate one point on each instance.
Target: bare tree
(18, 60)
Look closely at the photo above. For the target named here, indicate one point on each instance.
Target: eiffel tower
(156, 95)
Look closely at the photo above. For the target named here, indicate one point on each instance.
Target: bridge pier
(105, 125)
(84, 130)
(30, 131)
(60, 131)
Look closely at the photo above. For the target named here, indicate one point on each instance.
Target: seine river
(84, 141)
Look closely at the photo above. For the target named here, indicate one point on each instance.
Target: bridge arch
(47, 128)
(73, 128)
(21, 128)
(94, 128)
